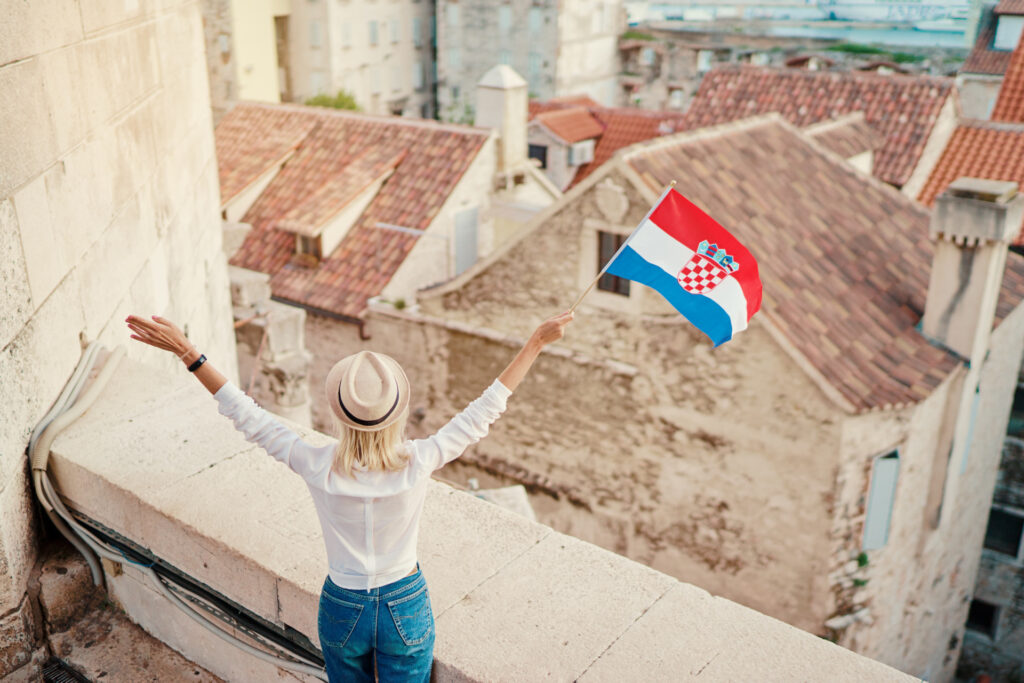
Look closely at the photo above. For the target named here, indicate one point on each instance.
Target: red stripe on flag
(685, 222)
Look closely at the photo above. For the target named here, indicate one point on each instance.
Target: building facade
(830, 466)
(561, 47)
(382, 53)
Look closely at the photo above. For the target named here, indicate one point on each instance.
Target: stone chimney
(973, 224)
(501, 103)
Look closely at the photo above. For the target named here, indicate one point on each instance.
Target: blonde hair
(382, 450)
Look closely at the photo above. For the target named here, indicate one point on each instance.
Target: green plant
(633, 34)
(862, 559)
(860, 582)
(856, 48)
(342, 100)
(906, 57)
(399, 304)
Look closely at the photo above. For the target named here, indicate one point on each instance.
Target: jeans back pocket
(336, 620)
(413, 616)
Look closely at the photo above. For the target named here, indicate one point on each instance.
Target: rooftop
(903, 109)
(1010, 7)
(844, 258)
(334, 154)
(572, 124)
(984, 58)
(846, 136)
(979, 149)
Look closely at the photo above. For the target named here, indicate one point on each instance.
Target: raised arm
(163, 334)
(550, 330)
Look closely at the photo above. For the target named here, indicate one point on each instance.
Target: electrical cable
(70, 405)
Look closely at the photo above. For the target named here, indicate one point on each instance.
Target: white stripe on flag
(659, 248)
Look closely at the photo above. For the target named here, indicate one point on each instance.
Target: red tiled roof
(306, 190)
(1010, 7)
(248, 146)
(1010, 103)
(979, 149)
(903, 109)
(844, 259)
(572, 124)
(984, 58)
(537, 106)
(848, 136)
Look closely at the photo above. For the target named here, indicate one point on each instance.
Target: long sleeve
(263, 429)
(465, 429)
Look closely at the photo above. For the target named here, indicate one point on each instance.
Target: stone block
(286, 331)
(452, 557)
(32, 672)
(549, 613)
(98, 15)
(17, 641)
(32, 28)
(46, 261)
(248, 287)
(17, 537)
(27, 141)
(690, 633)
(66, 590)
(234, 235)
(15, 296)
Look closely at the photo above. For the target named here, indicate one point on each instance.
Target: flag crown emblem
(713, 252)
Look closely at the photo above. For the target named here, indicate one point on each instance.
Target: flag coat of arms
(692, 261)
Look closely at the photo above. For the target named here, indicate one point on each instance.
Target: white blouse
(371, 521)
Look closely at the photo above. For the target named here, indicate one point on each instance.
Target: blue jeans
(394, 623)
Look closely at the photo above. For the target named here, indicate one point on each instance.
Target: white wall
(1008, 32)
(108, 206)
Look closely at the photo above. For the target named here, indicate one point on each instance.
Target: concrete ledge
(514, 600)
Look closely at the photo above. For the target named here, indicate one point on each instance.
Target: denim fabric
(394, 622)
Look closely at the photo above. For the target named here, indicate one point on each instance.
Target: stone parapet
(514, 600)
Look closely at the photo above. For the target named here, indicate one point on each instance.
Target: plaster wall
(942, 130)
(919, 585)
(978, 94)
(557, 167)
(108, 206)
(699, 463)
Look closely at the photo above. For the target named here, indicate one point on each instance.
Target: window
(1016, 426)
(454, 57)
(394, 30)
(534, 65)
(1004, 532)
(881, 497)
(315, 37)
(983, 617)
(504, 19)
(309, 246)
(505, 57)
(607, 244)
(346, 34)
(417, 32)
(417, 75)
(465, 239)
(453, 15)
(373, 33)
(317, 82)
(581, 153)
(647, 56)
(540, 153)
(534, 19)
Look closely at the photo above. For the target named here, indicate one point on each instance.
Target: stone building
(999, 30)
(914, 115)
(562, 48)
(336, 222)
(242, 51)
(108, 206)
(380, 52)
(833, 465)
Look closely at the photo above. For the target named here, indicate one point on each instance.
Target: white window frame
(316, 38)
(881, 492)
(374, 31)
(581, 152)
(417, 32)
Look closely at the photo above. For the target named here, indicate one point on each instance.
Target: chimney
(973, 224)
(501, 103)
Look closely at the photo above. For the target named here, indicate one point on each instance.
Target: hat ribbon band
(367, 423)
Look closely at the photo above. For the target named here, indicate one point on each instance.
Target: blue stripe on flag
(708, 316)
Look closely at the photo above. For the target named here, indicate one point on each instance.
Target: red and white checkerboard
(700, 274)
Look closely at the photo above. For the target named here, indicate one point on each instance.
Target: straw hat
(367, 391)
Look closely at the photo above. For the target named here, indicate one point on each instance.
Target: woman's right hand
(552, 329)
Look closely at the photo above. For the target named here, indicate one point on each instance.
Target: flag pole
(594, 281)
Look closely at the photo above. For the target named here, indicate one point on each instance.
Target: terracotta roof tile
(624, 127)
(844, 259)
(572, 124)
(1010, 7)
(428, 160)
(984, 58)
(903, 109)
(848, 136)
(252, 141)
(1010, 103)
(979, 149)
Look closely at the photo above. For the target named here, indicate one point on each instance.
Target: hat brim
(333, 383)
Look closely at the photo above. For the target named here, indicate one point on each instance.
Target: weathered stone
(66, 590)
(248, 287)
(16, 637)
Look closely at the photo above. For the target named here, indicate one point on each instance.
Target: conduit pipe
(56, 420)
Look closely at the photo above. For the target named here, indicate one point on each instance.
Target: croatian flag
(703, 271)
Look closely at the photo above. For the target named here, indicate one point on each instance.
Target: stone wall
(108, 206)
(218, 34)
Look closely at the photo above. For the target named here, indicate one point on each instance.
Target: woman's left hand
(159, 332)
